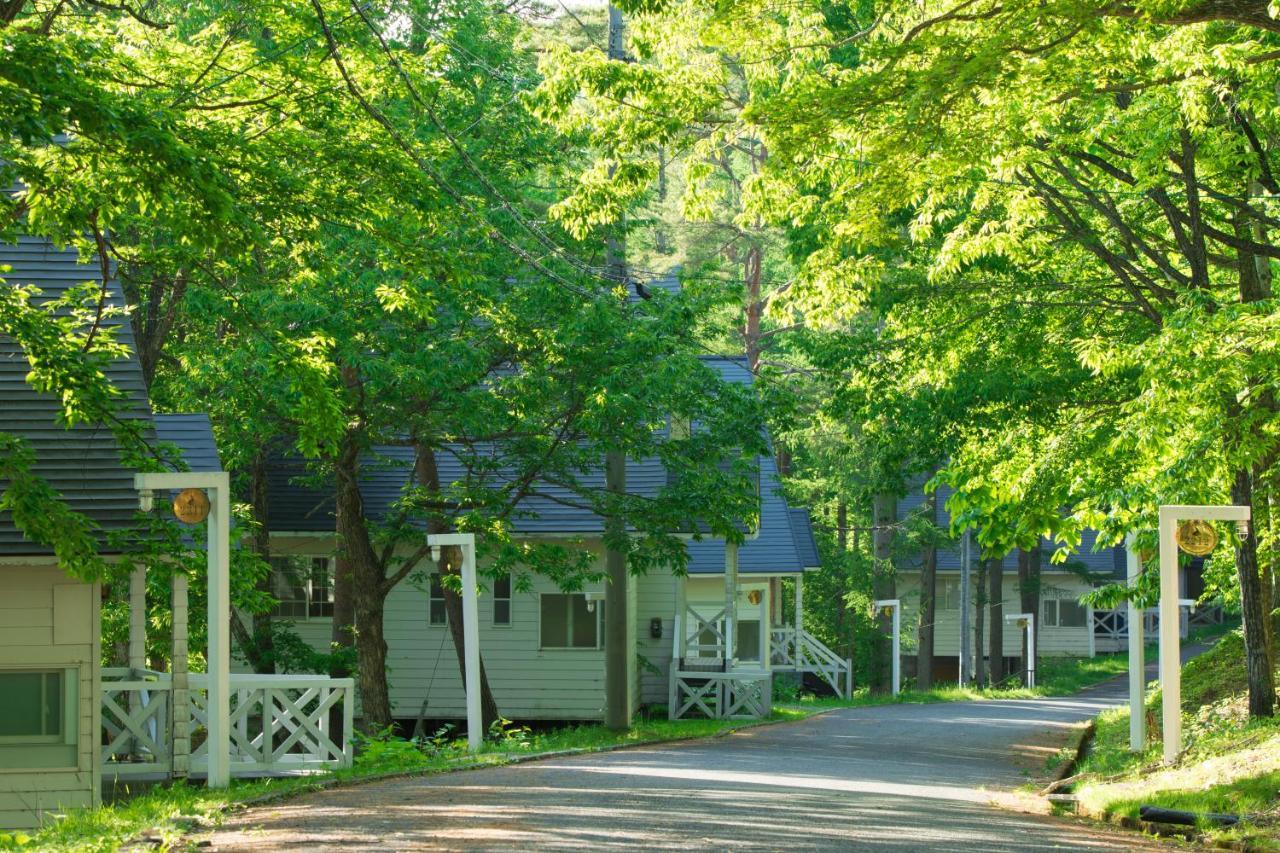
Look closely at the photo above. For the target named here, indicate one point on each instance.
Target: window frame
(435, 581)
(309, 601)
(597, 611)
(508, 599)
(70, 717)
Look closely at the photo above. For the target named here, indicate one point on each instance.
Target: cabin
(50, 646)
(543, 647)
(1065, 626)
(68, 724)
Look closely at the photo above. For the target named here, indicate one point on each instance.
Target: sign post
(895, 605)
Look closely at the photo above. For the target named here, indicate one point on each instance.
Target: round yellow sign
(191, 506)
(1197, 537)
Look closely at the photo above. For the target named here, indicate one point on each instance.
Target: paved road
(905, 777)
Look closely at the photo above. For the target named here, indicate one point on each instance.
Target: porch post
(730, 601)
(180, 740)
(798, 646)
(138, 618)
(766, 629)
(219, 627)
(681, 638)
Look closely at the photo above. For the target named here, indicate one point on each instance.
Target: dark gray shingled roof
(806, 545)
(1108, 561)
(193, 435)
(295, 505)
(82, 463)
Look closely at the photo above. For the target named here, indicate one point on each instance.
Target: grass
(164, 814)
(1231, 764)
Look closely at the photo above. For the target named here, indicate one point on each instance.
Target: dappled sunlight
(897, 778)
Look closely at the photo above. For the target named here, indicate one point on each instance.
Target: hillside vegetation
(1230, 765)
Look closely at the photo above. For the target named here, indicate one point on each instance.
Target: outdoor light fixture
(146, 499)
(1242, 528)
(435, 553)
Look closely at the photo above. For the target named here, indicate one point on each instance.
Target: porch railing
(279, 723)
(737, 694)
(806, 653)
(1111, 627)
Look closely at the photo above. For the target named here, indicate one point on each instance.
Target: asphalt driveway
(903, 777)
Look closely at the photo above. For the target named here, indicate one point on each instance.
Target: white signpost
(218, 725)
(895, 605)
(1170, 621)
(470, 628)
(1028, 623)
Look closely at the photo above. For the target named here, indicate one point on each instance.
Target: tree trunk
(1029, 595)
(427, 474)
(342, 635)
(928, 601)
(842, 544)
(995, 574)
(752, 339)
(1262, 688)
(979, 619)
(884, 512)
(1253, 287)
(367, 586)
(263, 658)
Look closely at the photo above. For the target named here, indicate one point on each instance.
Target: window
(570, 621)
(502, 600)
(1064, 613)
(302, 586)
(32, 707)
(39, 725)
(948, 592)
(436, 613)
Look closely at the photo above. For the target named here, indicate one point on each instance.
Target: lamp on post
(895, 605)
(1027, 621)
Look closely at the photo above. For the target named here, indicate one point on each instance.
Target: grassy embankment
(1231, 764)
(166, 813)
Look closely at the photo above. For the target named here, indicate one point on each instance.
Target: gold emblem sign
(1197, 537)
(191, 506)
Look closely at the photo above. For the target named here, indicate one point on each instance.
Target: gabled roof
(83, 463)
(806, 545)
(295, 505)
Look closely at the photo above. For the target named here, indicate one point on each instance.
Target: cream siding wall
(1051, 641)
(528, 682)
(655, 599)
(50, 621)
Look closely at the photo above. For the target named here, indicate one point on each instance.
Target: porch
(1111, 627)
(723, 662)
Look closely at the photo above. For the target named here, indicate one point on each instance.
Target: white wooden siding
(1051, 641)
(51, 620)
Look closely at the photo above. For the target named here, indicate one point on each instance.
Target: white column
(897, 647)
(471, 644)
(138, 618)
(1170, 669)
(766, 629)
(219, 651)
(1137, 654)
(799, 606)
(730, 601)
(181, 708)
(1031, 650)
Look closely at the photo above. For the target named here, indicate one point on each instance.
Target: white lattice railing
(740, 694)
(1111, 627)
(278, 722)
(136, 721)
(809, 654)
